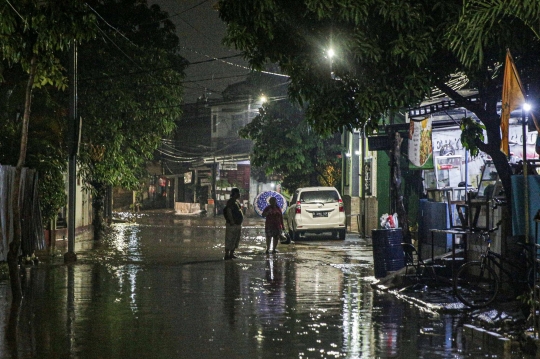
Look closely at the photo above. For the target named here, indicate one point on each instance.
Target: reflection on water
(231, 293)
(163, 291)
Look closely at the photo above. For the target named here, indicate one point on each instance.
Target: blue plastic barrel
(387, 251)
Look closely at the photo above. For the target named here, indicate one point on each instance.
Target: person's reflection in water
(274, 300)
(232, 290)
(12, 329)
(273, 273)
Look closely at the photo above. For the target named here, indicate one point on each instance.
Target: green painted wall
(411, 186)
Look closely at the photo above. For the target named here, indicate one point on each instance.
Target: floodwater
(159, 288)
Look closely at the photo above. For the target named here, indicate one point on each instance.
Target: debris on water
(427, 331)
(454, 306)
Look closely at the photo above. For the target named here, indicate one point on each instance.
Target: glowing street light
(527, 107)
(331, 53)
(263, 99)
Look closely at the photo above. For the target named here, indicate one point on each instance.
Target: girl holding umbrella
(273, 225)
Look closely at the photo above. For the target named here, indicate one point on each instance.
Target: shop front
(454, 181)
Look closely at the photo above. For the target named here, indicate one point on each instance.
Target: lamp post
(74, 129)
(363, 171)
(524, 110)
(330, 54)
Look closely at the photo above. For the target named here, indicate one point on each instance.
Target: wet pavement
(158, 287)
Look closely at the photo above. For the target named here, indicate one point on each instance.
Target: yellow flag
(512, 97)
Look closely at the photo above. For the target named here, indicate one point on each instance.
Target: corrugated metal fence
(31, 225)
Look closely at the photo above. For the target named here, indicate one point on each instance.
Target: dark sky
(200, 31)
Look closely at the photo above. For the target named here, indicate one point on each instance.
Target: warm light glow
(527, 107)
(263, 99)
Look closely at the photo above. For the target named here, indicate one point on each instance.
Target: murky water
(160, 289)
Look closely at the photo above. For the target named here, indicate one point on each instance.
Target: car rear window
(319, 196)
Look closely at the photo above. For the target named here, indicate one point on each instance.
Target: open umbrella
(263, 200)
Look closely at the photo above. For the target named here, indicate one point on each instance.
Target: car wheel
(342, 234)
(334, 234)
(296, 235)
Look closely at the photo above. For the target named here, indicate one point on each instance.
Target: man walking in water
(233, 228)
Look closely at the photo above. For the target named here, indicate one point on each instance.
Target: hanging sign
(228, 166)
(420, 145)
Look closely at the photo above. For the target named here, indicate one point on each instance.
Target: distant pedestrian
(233, 228)
(274, 224)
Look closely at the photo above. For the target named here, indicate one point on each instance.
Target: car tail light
(340, 204)
(298, 207)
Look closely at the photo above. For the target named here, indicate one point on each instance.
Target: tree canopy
(284, 143)
(388, 56)
(480, 25)
(130, 91)
(33, 35)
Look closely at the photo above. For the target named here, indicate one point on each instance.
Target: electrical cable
(112, 27)
(173, 15)
(118, 47)
(153, 70)
(236, 65)
(216, 78)
(22, 18)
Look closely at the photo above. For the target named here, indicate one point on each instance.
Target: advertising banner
(420, 146)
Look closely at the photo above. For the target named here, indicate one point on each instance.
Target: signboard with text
(228, 166)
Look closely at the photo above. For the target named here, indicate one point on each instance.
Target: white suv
(316, 210)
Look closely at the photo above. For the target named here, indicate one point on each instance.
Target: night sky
(200, 31)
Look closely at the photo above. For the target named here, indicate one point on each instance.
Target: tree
(130, 94)
(33, 35)
(389, 55)
(284, 143)
(478, 25)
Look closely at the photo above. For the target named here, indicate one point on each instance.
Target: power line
(131, 73)
(112, 27)
(177, 14)
(118, 47)
(22, 18)
(216, 78)
(214, 59)
(233, 64)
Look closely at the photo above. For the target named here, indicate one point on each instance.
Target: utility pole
(363, 174)
(73, 133)
(214, 197)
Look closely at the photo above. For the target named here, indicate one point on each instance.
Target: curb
(481, 334)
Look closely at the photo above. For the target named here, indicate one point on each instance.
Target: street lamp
(524, 110)
(331, 53)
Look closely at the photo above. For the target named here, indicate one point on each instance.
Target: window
(214, 123)
(319, 196)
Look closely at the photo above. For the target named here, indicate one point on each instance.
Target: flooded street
(159, 288)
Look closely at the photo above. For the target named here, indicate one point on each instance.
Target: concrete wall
(187, 208)
(355, 219)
